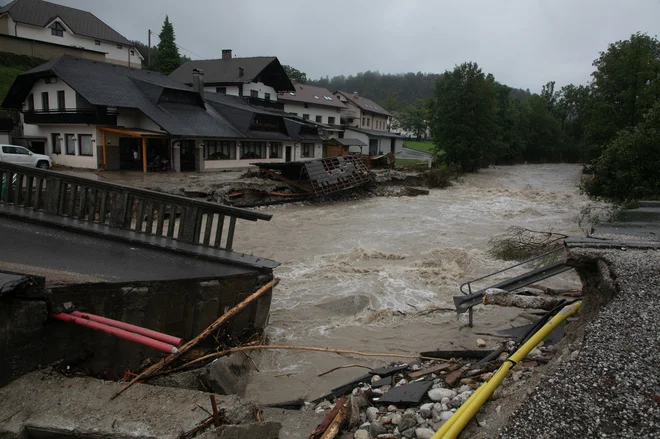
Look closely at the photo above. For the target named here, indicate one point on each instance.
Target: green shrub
(440, 177)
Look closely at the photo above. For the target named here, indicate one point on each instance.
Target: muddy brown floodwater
(355, 274)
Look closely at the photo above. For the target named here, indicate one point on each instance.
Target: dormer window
(57, 29)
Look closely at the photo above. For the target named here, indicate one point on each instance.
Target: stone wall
(182, 308)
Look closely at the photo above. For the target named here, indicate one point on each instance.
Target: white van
(19, 155)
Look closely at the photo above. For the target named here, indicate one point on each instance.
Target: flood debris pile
(413, 400)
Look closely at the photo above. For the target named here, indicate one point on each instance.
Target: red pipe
(169, 339)
(146, 341)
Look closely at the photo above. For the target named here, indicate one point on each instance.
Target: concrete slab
(44, 402)
(296, 424)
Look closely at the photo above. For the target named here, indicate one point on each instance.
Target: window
(57, 29)
(70, 144)
(30, 102)
(306, 105)
(9, 150)
(61, 104)
(132, 52)
(267, 96)
(363, 121)
(44, 101)
(331, 120)
(221, 90)
(275, 150)
(253, 150)
(316, 97)
(254, 94)
(119, 46)
(85, 142)
(97, 42)
(21, 151)
(219, 150)
(367, 122)
(57, 143)
(307, 150)
(319, 119)
(305, 116)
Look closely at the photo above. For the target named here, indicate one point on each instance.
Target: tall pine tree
(168, 54)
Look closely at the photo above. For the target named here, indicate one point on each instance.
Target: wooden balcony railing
(138, 210)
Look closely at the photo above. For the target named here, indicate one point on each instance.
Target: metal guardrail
(137, 210)
(473, 298)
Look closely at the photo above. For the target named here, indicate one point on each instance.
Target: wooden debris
(503, 298)
(324, 426)
(214, 405)
(453, 377)
(430, 370)
(208, 421)
(208, 331)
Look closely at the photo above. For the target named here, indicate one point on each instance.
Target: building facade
(316, 104)
(362, 112)
(93, 115)
(47, 30)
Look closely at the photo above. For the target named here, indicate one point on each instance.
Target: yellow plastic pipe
(454, 425)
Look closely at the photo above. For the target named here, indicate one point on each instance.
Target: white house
(258, 78)
(316, 104)
(89, 114)
(47, 30)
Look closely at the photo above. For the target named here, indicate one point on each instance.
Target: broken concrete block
(261, 430)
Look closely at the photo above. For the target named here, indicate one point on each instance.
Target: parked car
(19, 155)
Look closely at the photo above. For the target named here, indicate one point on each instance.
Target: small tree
(168, 54)
(295, 75)
(414, 119)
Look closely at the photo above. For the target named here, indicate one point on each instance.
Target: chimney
(226, 53)
(355, 95)
(198, 81)
(240, 72)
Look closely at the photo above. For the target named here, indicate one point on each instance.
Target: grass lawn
(426, 146)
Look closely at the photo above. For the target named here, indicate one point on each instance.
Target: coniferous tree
(168, 54)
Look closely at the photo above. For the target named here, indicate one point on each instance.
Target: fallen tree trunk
(503, 298)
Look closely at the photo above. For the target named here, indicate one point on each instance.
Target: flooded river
(355, 275)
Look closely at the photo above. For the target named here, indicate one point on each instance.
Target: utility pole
(149, 50)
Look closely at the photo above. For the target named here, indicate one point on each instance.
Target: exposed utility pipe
(130, 336)
(169, 339)
(454, 425)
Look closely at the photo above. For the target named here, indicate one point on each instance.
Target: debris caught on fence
(495, 296)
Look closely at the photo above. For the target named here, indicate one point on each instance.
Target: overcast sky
(524, 43)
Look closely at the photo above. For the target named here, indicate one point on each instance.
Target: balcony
(348, 114)
(264, 103)
(71, 116)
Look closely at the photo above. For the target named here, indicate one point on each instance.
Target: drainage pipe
(169, 339)
(126, 335)
(454, 425)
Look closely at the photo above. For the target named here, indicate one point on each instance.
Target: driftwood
(502, 298)
(303, 348)
(323, 428)
(208, 331)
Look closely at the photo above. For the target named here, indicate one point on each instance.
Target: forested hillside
(391, 89)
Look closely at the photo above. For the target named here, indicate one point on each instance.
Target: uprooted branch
(519, 243)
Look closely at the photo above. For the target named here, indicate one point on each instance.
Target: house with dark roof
(95, 115)
(47, 30)
(258, 78)
(368, 122)
(317, 104)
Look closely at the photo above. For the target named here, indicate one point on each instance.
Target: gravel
(609, 387)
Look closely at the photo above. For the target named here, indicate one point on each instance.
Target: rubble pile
(413, 400)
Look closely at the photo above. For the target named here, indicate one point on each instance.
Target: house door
(393, 145)
(373, 146)
(288, 154)
(187, 155)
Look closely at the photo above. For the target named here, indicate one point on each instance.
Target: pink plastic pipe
(169, 339)
(137, 338)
